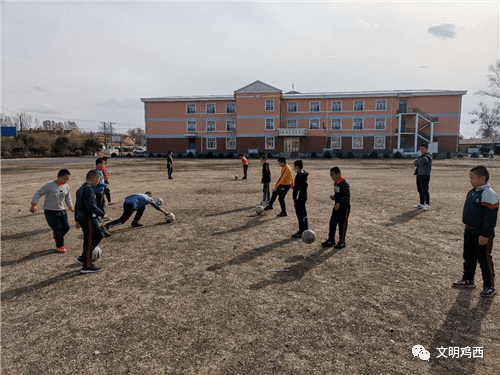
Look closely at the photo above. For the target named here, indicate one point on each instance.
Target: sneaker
(268, 208)
(420, 205)
(136, 225)
(105, 231)
(426, 207)
(107, 219)
(79, 261)
(339, 245)
(281, 214)
(328, 243)
(488, 292)
(91, 269)
(297, 235)
(464, 284)
(61, 249)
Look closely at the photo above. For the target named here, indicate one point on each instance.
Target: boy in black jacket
(299, 196)
(266, 180)
(341, 209)
(480, 218)
(86, 213)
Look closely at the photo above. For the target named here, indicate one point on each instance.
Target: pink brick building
(261, 118)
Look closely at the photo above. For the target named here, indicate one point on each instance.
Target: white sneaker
(419, 205)
(426, 207)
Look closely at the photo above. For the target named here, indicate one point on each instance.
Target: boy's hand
(336, 207)
(483, 240)
(332, 197)
(33, 209)
(105, 217)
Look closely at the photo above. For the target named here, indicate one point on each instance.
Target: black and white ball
(308, 236)
(96, 253)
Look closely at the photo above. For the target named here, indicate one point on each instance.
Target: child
(282, 186)
(86, 213)
(423, 166)
(244, 163)
(104, 170)
(341, 209)
(170, 163)
(480, 218)
(101, 185)
(136, 202)
(300, 197)
(56, 194)
(266, 179)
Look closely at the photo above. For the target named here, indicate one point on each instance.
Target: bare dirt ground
(224, 291)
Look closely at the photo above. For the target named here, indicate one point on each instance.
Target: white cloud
(444, 30)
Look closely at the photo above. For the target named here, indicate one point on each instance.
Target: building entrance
(291, 144)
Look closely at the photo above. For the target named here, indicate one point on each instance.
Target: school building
(260, 118)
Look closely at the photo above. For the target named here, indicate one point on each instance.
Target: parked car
(139, 150)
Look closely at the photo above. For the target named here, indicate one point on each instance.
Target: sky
(93, 61)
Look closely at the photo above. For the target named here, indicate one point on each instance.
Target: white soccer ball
(236, 177)
(96, 253)
(159, 201)
(308, 236)
(259, 209)
(170, 217)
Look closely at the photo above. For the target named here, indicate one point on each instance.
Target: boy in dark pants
(341, 209)
(100, 186)
(104, 170)
(423, 166)
(299, 195)
(282, 186)
(170, 164)
(480, 218)
(244, 164)
(86, 213)
(56, 194)
(266, 180)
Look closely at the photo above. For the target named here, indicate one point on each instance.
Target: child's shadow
(34, 255)
(404, 217)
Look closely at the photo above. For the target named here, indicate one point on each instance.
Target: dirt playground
(224, 291)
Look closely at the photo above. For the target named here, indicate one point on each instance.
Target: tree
(5, 120)
(138, 134)
(489, 116)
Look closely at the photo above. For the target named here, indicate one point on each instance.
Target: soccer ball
(159, 201)
(236, 177)
(259, 209)
(170, 217)
(308, 236)
(96, 253)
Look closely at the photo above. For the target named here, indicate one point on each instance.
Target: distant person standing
(100, 186)
(266, 180)
(423, 166)
(244, 164)
(170, 163)
(104, 170)
(56, 194)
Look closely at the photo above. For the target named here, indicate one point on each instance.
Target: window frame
(290, 120)
(311, 121)
(380, 101)
(358, 102)
(296, 107)
(214, 128)
(375, 143)
(227, 126)
(188, 106)
(355, 120)
(362, 142)
(273, 141)
(214, 140)
(195, 126)
(334, 102)
(340, 122)
(312, 109)
(211, 105)
(381, 119)
(272, 121)
(271, 107)
(227, 143)
(230, 105)
(339, 143)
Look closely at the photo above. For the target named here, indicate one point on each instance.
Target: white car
(139, 150)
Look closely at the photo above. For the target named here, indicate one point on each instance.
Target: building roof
(261, 87)
(476, 141)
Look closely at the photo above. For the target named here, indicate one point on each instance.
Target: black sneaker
(339, 245)
(136, 225)
(91, 269)
(488, 292)
(464, 284)
(328, 243)
(297, 235)
(281, 214)
(79, 261)
(268, 208)
(105, 231)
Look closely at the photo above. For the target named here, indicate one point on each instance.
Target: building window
(314, 106)
(230, 107)
(336, 124)
(269, 143)
(230, 125)
(210, 126)
(292, 107)
(337, 106)
(381, 105)
(211, 143)
(359, 105)
(210, 107)
(379, 143)
(190, 109)
(269, 124)
(191, 126)
(336, 143)
(270, 105)
(291, 124)
(357, 143)
(314, 123)
(357, 124)
(380, 123)
(231, 143)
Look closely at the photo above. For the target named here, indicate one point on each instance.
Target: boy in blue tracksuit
(137, 203)
(480, 218)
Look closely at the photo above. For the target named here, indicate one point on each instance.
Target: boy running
(282, 186)
(56, 194)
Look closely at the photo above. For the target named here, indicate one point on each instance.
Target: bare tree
(5, 120)
(138, 134)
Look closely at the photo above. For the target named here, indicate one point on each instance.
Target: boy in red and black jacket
(341, 209)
